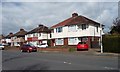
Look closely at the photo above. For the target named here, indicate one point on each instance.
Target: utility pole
(101, 46)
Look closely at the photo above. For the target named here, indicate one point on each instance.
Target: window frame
(59, 29)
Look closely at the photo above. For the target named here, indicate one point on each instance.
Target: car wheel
(21, 50)
(35, 50)
(28, 51)
(78, 49)
(2, 48)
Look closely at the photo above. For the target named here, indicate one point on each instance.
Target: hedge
(111, 43)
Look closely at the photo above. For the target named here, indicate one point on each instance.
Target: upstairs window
(72, 28)
(97, 28)
(50, 35)
(35, 34)
(29, 35)
(84, 26)
(59, 29)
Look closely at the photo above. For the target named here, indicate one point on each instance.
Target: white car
(1, 47)
(42, 45)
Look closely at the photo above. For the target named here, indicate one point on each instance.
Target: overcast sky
(28, 15)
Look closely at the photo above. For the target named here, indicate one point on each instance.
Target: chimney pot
(74, 14)
(21, 29)
(40, 25)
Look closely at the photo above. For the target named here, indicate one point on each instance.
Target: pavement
(94, 52)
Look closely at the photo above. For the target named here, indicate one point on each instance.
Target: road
(15, 60)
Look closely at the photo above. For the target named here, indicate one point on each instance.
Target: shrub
(111, 43)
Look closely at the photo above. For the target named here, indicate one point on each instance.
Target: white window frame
(72, 41)
(59, 29)
(57, 41)
(72, 28)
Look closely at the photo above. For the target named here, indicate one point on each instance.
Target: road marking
(110, 68)
(67, 62)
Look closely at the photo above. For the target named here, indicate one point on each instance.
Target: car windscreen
(27, 45)
(82, 43)
(43, 44)
(0, 44)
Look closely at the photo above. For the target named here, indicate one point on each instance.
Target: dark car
(28, 48)
(82, 46)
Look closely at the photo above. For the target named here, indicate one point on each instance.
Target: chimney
(74, 15)
(21, 29)
(40, 25)
(10, 34)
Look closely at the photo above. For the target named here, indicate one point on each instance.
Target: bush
(111, 43)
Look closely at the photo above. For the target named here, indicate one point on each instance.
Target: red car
(28, 48)
(82, 46)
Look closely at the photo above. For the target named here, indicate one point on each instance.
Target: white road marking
(67, 62)
(110, 68)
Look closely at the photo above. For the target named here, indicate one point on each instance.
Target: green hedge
(111, 43)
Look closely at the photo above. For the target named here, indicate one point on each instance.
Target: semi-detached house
(76, 29)
(38, 35)
(18, 38)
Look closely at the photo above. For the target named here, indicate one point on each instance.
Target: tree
(115, 29)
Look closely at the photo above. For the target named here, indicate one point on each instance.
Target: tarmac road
(15, 60)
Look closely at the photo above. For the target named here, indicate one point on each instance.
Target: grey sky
(28, 15)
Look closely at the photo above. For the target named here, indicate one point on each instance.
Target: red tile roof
(40, 28)
(20, 33)
(75, 20)
(10, 35)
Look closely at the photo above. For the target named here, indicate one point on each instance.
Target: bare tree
(115, 29)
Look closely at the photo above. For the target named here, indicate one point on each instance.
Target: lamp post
(101, 46)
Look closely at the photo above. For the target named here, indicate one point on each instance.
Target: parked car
(82, 46)
(28, 48)
(5, 44)
(42, 45)
(1, 47)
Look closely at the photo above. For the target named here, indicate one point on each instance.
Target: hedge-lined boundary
(111, 43)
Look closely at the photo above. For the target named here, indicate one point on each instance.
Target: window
(97, 28)
(84, 39)
(59, 41)
(52, 31)
(28, 35)
(84, 26)
(72, 41)
(59, 29)
(39, 34)
(72, 28)
(35, 34)
(50, 35)
(79, 26)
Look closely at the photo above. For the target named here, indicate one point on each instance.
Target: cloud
(28, 15)
(60, 0)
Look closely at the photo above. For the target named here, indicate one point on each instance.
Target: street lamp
(101, 46)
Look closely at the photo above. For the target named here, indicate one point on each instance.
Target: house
(18, 38)
(38, 35)
(76, 29)
(2, 39)
(6, 40)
